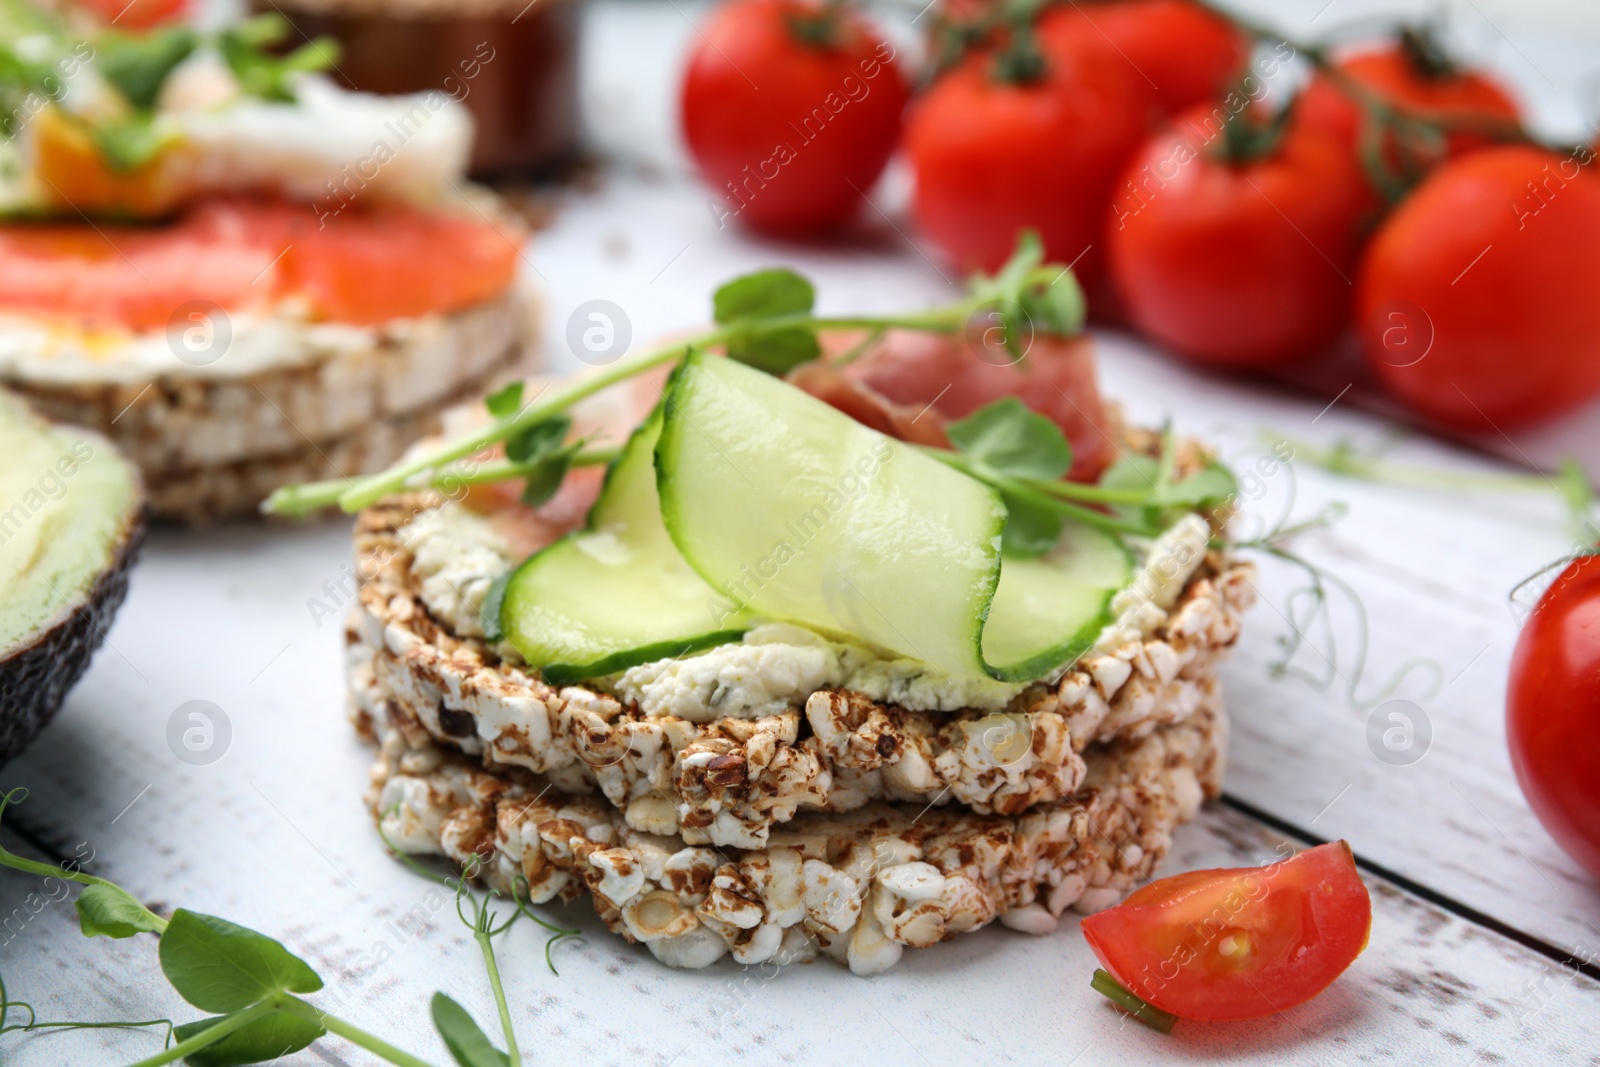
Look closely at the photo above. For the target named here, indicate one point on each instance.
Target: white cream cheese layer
(1166, 566)
(458, 554)
(776, 666)
(39, 351)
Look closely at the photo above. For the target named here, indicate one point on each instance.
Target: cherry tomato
(137, 14)
(996, 153)
(1238, 943)
(1429, 88)
(1237, 263)
(1180, 53)
(1476, 298)
(1553, 711)
(791, 111)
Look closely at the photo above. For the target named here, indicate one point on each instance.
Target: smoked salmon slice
(363, 266)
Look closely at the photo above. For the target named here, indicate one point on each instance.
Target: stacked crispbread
(839, 826)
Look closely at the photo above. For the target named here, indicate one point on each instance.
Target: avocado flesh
(70, 524)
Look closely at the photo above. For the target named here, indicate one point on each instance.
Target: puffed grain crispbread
(859, 887)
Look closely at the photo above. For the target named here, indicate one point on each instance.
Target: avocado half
(71, 522)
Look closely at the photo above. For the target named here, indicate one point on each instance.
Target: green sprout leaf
(1009, 438)
(776, 351)
(138, 64)
(768, 294)
(545, 478)
(765, 294)
(506, 402)
(1057, 306)
(264, 1040)
(219, 966)
(129, 143)
(539, 440)
(1032, 296)
(1007, 282)
(464, 1038)
(1211, 485)
(106, 910)
(264, 74)
(1030, 530)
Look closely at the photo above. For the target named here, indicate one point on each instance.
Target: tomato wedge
(1238, 943)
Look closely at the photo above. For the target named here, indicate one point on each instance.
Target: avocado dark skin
(36, 676)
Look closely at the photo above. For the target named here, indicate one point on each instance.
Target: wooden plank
(1430, 988)
(272, 834)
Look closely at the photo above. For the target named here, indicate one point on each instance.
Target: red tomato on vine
(1236, 245)
(1476, 297)
(1180, 53)
(1416, 75)
(791, 108)
(1016, 139)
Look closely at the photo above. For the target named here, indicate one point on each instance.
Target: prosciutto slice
(911, 383)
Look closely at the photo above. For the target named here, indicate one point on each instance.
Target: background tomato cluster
(1156, 146)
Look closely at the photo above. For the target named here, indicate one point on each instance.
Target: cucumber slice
(804, 515)
(1049, 611)
(617, 593)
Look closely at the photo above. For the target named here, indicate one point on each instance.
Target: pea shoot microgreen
(1570, 483)
(764, 319)
(252, 987)
(461, 1034)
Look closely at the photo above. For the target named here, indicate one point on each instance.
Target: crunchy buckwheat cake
(857, 886)
(724, 747)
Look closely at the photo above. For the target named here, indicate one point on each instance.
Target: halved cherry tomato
(1553, 711)
(997, 151)
(1180, 53)
(1476, 298)
(791, 109)
(1241, 942)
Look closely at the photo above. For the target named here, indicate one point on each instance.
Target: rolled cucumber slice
(617, 593)
(804, 515)
(1048, 611)
(800, 513)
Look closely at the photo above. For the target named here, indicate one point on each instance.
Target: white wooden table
(1480, 922)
